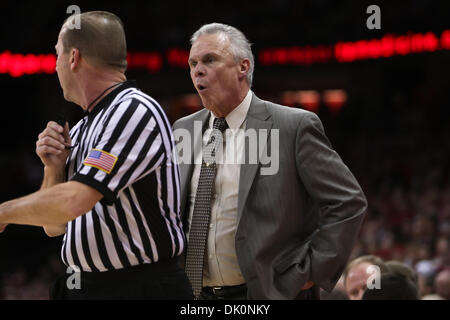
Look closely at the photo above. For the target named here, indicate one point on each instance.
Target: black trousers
(312, 293)
(225, 293)
(164, 280)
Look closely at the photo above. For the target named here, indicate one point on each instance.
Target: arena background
(385, 112)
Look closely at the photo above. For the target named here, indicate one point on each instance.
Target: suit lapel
(186, 169)
(257, 119)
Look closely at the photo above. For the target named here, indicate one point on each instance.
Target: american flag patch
(101, 160)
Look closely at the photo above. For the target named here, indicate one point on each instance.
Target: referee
(111, 184)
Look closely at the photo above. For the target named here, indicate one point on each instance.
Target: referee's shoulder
(137, 96)
(143, 98)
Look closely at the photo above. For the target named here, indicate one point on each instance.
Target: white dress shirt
(221, 264)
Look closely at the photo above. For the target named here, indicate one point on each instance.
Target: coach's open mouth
(201, 88)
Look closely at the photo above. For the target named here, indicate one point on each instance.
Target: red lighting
(389, 46)
(309, 99)
(16, 64)
(178, 58)
(402, 45)
(335, 99)
(306, 99)
(430, 42)
(48, 63)
(295, 55)
(445, 40)
(151, 61)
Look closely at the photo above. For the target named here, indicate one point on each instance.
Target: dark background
(392, 132)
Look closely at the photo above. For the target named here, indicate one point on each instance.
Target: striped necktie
(202, 208)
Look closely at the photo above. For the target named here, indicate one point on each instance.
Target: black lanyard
(87, 113)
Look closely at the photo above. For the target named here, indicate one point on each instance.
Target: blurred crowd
(408, 219)
(369, 277)
(22, 283)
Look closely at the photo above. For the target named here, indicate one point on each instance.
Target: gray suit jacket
(299, 224)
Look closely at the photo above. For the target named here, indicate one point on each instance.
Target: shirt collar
(236, 118)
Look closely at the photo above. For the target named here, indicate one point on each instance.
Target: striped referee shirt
(125, 150)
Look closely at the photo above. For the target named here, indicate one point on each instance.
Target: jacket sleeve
(339, 198)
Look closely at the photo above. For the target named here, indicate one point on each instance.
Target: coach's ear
(244, 68)
(75, 57)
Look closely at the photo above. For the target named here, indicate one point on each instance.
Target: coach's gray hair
(240, 46)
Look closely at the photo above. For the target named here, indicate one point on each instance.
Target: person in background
(403, 269)
(358, 272)
(442, 284)
(394, 286)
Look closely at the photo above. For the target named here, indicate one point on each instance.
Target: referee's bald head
(100, 38)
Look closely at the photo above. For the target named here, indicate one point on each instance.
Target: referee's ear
(75, 57)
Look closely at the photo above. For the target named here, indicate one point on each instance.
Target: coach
(114, 193)
(282, 235)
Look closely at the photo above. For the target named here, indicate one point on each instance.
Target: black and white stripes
(137, 221)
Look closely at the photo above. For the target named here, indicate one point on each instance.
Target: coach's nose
(199, 70)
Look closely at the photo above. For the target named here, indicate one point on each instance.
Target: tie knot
(220, 124)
